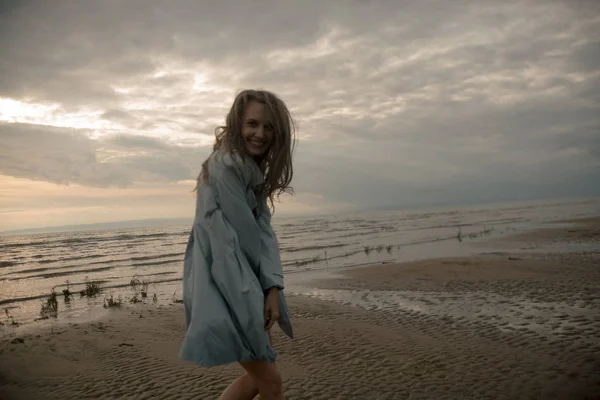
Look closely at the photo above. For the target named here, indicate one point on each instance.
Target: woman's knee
(271, 382)
(265, 375)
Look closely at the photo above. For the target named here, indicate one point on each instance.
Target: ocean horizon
(165, 222)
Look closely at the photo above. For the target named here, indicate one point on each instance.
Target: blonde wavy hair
(276, 164)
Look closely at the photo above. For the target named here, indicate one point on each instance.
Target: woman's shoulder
(223, 160)
(224, 163)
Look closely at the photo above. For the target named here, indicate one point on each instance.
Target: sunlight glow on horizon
(75, 204)
(15, 111)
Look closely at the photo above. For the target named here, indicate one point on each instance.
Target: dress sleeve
(231, 193)
(270, 271)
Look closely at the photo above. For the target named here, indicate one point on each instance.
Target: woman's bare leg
(266, 376)
(243, 388)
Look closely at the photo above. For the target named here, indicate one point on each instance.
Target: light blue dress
(232, 258)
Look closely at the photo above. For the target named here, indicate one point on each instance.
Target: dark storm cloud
(137, 142)
(66, 156)
(55, 155)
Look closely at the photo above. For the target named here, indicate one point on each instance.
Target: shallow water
(30, 266)
(509, 313)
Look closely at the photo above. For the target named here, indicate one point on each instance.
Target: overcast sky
(107, 108)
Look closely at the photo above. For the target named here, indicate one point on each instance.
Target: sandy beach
(505, 325)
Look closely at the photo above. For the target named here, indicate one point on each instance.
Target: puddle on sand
(551, 319)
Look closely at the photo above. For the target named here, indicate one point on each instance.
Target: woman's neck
(258, 160)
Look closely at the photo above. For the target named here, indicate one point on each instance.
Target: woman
(233, 280)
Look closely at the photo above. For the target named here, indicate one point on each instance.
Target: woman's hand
(271, 308)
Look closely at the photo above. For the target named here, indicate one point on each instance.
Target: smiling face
(260, 126)
(257, 130)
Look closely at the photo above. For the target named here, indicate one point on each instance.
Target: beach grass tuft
(92, 289)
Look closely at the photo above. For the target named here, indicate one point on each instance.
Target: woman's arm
(271, 271)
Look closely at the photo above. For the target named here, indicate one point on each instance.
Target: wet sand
(585, 230)
(496, 326)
